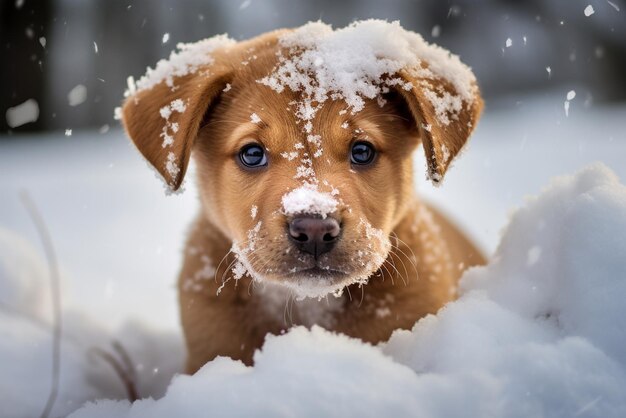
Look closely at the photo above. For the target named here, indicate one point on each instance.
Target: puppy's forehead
(272, 116)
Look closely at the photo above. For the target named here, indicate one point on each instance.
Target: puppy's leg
(216, 327)
(220, 317)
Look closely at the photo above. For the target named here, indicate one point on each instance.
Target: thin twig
(55, 295)
(123, 369)
(130, 368)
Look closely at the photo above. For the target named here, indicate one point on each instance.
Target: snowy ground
(514, 345)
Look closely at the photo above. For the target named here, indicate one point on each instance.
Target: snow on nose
(307, 199)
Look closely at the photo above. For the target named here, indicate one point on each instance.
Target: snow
(358, 61)
(613, 5)
(23, 113)
(254, 118)
(308, 199)
(539, 340)
(508, 43)
(170, 128)
(550, 333)
(170, 166)
(188, 59)
(589, 10)
(68, 132)
(571, 94)
(536, 333)
(166, 38)
(77, 95)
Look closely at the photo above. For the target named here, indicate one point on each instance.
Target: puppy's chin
(314, 282)
(318, 283)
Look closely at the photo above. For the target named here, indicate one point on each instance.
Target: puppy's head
(304, 149)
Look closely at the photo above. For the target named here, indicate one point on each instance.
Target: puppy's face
(312, 205)
(305, 185)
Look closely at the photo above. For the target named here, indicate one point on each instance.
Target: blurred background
(552, 73)
(553, 76)
(70, 58)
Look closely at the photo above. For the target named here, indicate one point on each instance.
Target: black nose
(314, 235)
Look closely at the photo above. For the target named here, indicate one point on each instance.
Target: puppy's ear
(163, 120)
(445, 119)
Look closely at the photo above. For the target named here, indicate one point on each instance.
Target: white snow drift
(537, 332)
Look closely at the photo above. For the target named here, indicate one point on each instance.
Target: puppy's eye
(253, 155)
(362, 153)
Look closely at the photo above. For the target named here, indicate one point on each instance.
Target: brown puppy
(305, 193)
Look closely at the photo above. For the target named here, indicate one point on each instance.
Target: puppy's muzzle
(314, 236)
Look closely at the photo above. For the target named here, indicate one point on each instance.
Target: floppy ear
(444, 118)
(163, 121)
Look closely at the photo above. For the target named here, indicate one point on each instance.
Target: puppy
(303, 142)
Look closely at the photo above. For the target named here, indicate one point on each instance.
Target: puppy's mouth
(318, 272)
(315, 280)
(318, 282)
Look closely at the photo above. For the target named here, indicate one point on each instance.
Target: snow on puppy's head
(357, 63)
(368, 59)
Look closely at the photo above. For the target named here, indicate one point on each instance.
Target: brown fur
(428, 253)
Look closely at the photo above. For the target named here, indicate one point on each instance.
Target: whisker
(409, 248)
(369, 252)
(293, 302)
(362, 295)
(269, 260)
(286, 309)
(244, 243)
(349, 294)
(220, 264)
(412, 263)
(404, 278)
(250, 284)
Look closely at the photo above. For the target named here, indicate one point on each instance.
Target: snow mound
(540, 331)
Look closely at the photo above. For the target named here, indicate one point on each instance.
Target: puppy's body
(417, 279)
(395, 259)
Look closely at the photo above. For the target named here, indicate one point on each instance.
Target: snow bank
(538, 332)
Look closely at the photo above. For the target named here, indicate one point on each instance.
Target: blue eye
(253, 155)
(362, 153)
